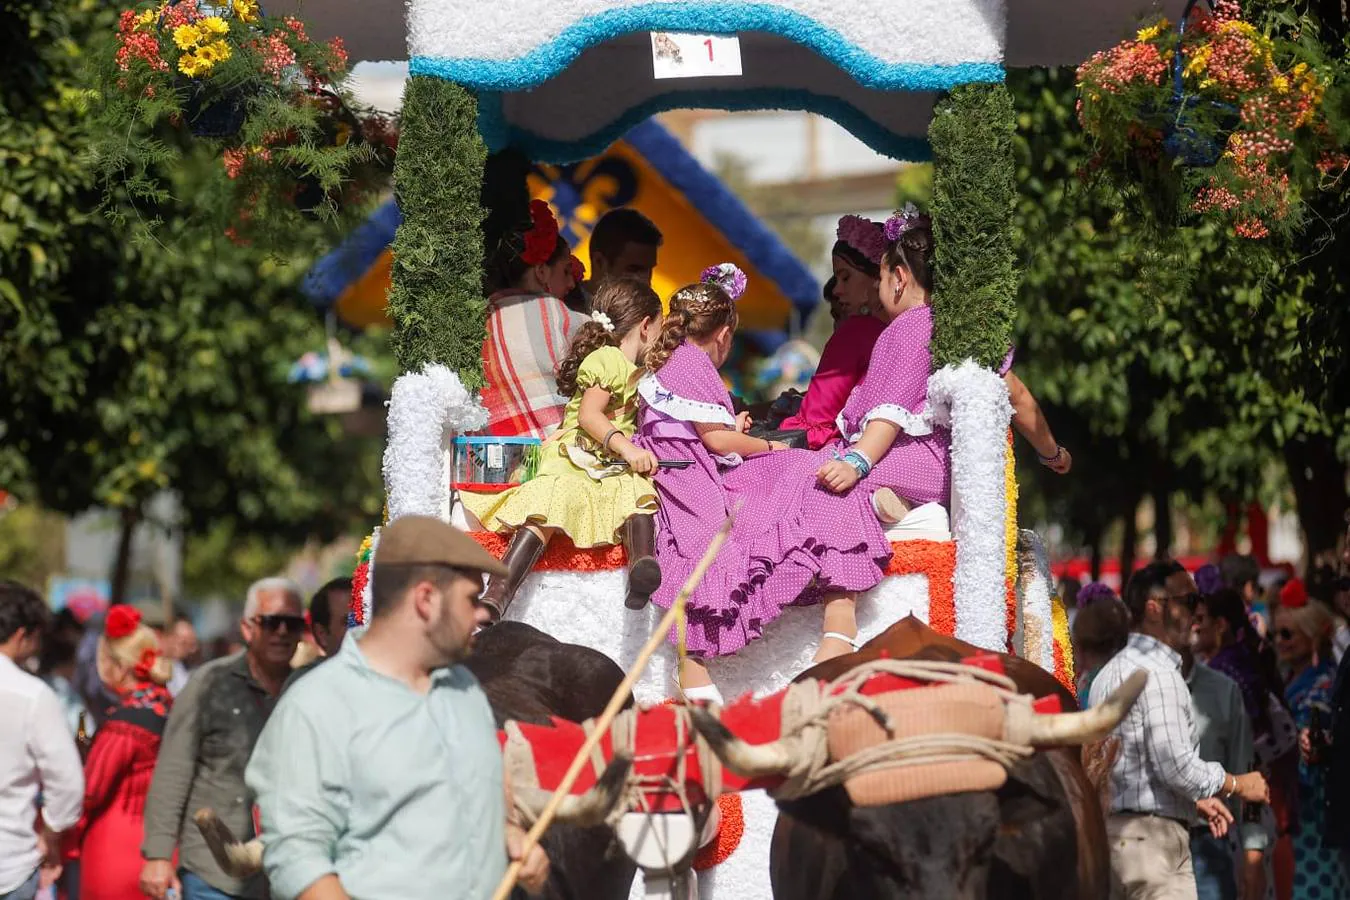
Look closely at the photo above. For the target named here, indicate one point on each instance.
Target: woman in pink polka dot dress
(825, 540)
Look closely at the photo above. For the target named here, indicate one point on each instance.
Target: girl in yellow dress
(592, 482)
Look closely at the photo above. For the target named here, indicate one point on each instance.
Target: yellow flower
(1152, 31)
(245, 11)
(1199, 60)
(1281, 84)
(186, 36)
(213, 26)
(1300, 69)
(192, 65)
(215, 52)
(145, 19)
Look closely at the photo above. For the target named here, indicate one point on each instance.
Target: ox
(1042, 835)
(529, 677)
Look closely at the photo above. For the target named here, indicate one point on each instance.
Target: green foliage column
(974, 192)
(437, 300)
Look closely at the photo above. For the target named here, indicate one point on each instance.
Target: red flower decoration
(1294, 595)
(147, 663)
(359, 580)
(542, 237)
(122, 621)
(578, 270)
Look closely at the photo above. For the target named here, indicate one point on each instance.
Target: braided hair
(697, 311)
(909, 245)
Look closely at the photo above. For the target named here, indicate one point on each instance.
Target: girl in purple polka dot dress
(687, 413)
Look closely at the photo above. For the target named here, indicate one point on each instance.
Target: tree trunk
(1095, 555)
(1318, 476)
(1129, 539)
(1162, 522)
(122, 564)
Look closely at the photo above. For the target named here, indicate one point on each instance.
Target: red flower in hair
(578, 270)
(1294, 595)
(147, 663)
(122, 621)
(542, 237)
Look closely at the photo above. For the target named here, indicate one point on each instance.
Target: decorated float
(561, 82)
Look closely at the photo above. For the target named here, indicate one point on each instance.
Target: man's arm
(58, 763)
(291, 764)
(1167, 728)
(175, 769)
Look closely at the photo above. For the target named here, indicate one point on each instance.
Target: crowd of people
(1228, 783)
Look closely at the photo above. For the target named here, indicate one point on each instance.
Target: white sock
(708, 692)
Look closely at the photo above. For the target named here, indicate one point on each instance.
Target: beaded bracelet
(1051, 460)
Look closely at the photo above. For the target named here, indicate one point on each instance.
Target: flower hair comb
(903, 220)
(542, 237)
(863, 235)
(727, 276)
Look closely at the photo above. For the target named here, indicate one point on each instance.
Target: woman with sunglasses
(1303, 644)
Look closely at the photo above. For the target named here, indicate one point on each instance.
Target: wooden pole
(611, 710)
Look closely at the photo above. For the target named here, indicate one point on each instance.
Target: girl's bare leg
(839, 619)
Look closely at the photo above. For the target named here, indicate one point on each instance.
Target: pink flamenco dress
(117, 778)
(843, 363)
(694, 501)
(813, 539)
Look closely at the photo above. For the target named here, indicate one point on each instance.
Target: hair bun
(727, 276)
(122, 620)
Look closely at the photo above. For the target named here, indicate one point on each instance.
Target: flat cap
(427, 541)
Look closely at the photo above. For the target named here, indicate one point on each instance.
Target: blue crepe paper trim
(547, 60)
(498, 133)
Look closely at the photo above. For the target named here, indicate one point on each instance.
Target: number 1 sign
(678, 54)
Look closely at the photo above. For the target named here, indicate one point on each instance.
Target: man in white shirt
(1159, 780)
(37, 751)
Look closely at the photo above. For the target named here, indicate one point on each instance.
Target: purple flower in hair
(728, 277)
(901, 221)
(1092, 592)
(863, 235)
(1208, 580)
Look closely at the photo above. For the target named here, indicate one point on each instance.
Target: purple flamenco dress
(818, 540)
(685, 392)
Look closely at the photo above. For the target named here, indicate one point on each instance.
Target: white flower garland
(425, 409)
(1035, 639)
(973, 402)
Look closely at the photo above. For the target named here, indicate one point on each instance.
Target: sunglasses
(1285, 634)
(274, 623)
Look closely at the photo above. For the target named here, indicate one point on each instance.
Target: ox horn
(235, 858)
(1090, 724)
(590, 808)
(746, 760)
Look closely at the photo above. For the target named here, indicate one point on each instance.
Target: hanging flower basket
(272, 101)
(1210, 118)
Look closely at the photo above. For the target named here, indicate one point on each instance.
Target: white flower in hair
(602, 320)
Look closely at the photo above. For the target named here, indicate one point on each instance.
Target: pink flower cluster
(338, 49)
(184, 13)
(297, 28)
(1123, 64)
(137, 45)
(863, 235)
(276, 54)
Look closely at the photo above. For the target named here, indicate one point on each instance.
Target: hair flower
(577, 270)
(542, 237)
(603, 321)
(727, 276)
(122, 620)
(863, 235)
(903, 220)
(1294, 595)
(146, 664)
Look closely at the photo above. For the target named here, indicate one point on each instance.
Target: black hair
(1149, 583)
(913, 251)
(1239, 570)
(1102, 627)
(390, 583)
(620, 227)
(505, 269)
(851, 255)
(320, 606)
(21, 608)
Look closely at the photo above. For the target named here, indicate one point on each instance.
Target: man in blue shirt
(379, 774)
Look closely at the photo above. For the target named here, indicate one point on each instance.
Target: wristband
(1047, 460)
(859, 462)
(609, 436)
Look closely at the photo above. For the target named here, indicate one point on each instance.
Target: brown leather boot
(644, 575)
(520, 558)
